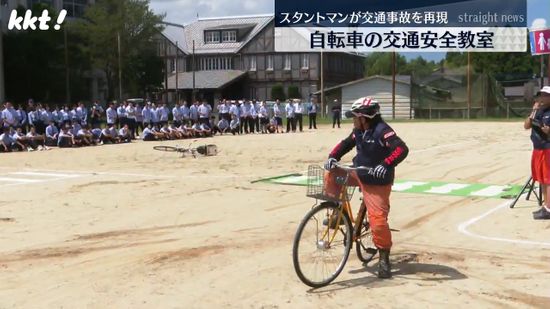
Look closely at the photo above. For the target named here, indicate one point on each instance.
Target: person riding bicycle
(379, 147)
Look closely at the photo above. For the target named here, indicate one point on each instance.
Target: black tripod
(530, 186)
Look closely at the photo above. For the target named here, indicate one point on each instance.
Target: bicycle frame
(346, 207)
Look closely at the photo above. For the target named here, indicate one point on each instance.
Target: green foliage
(381, 64)
(278, 92)
(294, 92)
(137, 25)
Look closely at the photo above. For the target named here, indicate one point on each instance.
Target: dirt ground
(128, 227)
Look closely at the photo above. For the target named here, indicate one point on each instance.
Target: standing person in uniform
(204, 113)
(139, 120)
(194, 112)
(111, 114)
(252, 118)
(155, 116)
(177, 116)
(121, 114)
(22, 118)
(336, 113)
(312, 113)
(82, 113)
(290, 119)
(163, 114)
(277, 114)
(184, 110)
(131, 120)
(299, 114)
(245, 112)
(539, 123)
(95, 116)
(379, 147)
(264, 117)
(146, 114)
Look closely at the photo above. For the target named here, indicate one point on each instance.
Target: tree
(137, 25)
(381, 63)
(278, 92)
(294, 92)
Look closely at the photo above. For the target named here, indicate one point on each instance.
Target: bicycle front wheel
(322, 245)
(165, 148)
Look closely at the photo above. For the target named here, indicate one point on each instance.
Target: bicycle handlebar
(353, 168)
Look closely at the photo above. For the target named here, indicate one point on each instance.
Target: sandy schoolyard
(126, 226)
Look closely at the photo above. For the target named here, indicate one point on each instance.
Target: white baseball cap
(545, 89)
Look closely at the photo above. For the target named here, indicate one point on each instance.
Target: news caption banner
(397, 25)
(422, 187)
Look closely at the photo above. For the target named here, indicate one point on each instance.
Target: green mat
(424, 187)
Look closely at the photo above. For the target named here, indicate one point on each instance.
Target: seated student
(166, 131)
(96, 133)
(6, 141)
(36, 141)
(197, 130)
(109, 135)
(65, 138)
(223, 126)
(75, 128)
(212, 125)
(149, 134)
(206, 130)
(51, 134)
(174, 132)
(234, 125)
(124, 134)
(185, 130)
(20, 141)
(85, 136)
(272, 126)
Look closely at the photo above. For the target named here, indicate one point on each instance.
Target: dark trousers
(257, 123)
(132, 127)
(243, 125)
(313, 120)
(40, 127)
(291, 123)
(251, 122)
(299, 121)
(336, 119)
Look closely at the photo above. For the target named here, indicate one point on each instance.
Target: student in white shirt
(6, 141)
(164, 130)
(109, 135)
(235, 125)
(163, 114)
(204, 112)
(111, 114)
(121, 114)
(148, 134)
(290, 118)
(154, 116)
(35, 140)
(277, 114)
(223, 126)
(20, 141)
(174, 132)
(51, 134)
(65, 138)
(264, 117)
(124, 134)
(184, 131)
(312, 113)
(85, 136)
(299, 114)
(131, 119)
(177, 115)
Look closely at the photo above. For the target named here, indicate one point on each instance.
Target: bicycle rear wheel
(364, 247)
(321, 246)
(165, 148)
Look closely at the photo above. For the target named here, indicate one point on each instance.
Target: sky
(185, 11)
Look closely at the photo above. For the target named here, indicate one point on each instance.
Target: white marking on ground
(490, 191)
(447, 188)
(463, 228)
(402, 186)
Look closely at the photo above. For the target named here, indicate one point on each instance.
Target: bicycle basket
(321, 186)
(208, 150)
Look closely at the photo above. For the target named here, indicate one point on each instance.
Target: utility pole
(119, 70)
(193, 69)
(393, 85)
(177, 93)
(67, 70)
(469, 85)
(322, 86)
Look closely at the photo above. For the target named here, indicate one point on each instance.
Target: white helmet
(364, 107)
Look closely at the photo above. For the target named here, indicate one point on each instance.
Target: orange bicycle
(326, 234)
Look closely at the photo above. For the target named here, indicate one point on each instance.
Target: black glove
(379, 171)
(330, 164)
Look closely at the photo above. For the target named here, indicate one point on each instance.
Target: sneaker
(540, 210)
(40, 148)
(29, 149)
(46, 148)
(542, 215)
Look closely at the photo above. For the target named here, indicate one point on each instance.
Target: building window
(252, 66)
(75, 8)
(288, 62)
(305, 61)
(211, 37)
(229, 36)
(269, 62)
(173, 64)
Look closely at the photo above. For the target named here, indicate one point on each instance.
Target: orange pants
(377, 200)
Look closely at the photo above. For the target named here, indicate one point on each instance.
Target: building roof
(175, 34)
(402, 79)
(204, 79)
(250, 25)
